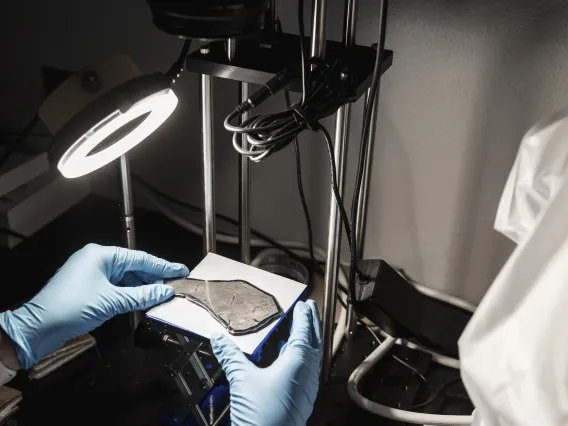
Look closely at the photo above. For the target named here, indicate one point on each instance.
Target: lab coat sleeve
(514, 351)
(538, 173)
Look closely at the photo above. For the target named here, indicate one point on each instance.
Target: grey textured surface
(241, 307)
(469, 78)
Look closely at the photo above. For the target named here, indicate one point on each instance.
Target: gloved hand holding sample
(94, 285)
(284, 393)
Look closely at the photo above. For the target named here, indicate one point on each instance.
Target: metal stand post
(334, 233)
(367, 168)
(244, 189)
(128, 220)
(319, 21)
(244, 170)
(274, 13)
(362, 205)
(209, 234)
(231, 48)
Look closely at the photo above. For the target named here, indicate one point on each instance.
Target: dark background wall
(469, 78)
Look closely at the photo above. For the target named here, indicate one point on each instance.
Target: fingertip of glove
(217, 339)
(168, 290)
(181, 269)
(312, 304)
(300, 306)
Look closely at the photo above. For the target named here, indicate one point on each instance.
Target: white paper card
(185, 315)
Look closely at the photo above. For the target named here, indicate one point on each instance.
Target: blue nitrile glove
(284, 393)
(94, 285)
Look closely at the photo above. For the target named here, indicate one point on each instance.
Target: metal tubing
(319, 18)
(274, 14)
(244, 189)
(128, 220)
(221, 415)
(127, 203)
(199, 416)
(209, 241)
(349, 23)
(334, 241)
(334, 233)
(231, 48)
(363, 201)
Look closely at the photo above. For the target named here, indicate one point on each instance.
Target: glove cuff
(8, 322)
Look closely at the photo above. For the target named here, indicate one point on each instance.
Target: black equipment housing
(396, 306)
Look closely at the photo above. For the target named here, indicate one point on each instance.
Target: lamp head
(101, 113)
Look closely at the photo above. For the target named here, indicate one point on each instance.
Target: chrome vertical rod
(334, 241)
(319, 22)
(362, 204)
(244, 188)
(334, 232)
(231, 49)
(128, 220)
(363, 201)
(274, 14)
(208, 158)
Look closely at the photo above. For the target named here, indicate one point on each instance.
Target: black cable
(435, 394)
(314, 265)
(177, 67)
(397, 359)
(12, 233)
(10, 148)
(302, 194)
(227, 219)
(335, 188)
(367, 115)
(304, 203)
(325, 88)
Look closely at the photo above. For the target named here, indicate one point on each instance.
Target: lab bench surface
(120, 384)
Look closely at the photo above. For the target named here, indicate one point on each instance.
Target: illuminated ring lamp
(101, 113)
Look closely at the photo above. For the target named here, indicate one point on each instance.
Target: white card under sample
(185, 315)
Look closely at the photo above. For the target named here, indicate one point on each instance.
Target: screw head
(204, 50)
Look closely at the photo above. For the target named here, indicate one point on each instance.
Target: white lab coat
(514, 352)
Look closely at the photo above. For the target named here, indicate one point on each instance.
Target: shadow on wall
(386, 220)
(511, 102)
(469, 78)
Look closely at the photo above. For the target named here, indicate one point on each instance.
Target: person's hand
(94, 285)
(284, 393)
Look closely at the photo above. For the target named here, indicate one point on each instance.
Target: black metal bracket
(192, 379)
(258, 60)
